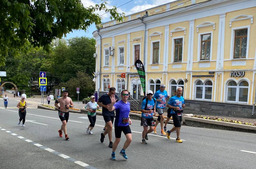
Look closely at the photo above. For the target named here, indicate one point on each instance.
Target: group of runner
(152, 105)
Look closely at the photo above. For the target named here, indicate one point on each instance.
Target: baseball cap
(149, 92)
(92, 97)
(162, 85)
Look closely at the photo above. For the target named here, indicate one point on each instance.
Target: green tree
(81, 80)
(41, 21)
(68, 59)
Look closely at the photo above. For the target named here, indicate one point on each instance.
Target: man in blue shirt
(122, 122)
(176, 104)
(148, 109)
(108, 116)
(161, 97)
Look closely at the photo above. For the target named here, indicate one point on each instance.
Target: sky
(126, 6)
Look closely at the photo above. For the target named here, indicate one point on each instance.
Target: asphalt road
(37, 146)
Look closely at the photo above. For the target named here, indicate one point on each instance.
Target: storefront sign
(237, 74)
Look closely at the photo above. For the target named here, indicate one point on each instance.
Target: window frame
(106, 49)
(232, 48)
(203, 89)
(119, 56)
(240, 49)
(173, 49)
(175, 85)
(135, 44)
(237, 87)
(199, 46)
(120, 81)
(152, 52)
(107, 81)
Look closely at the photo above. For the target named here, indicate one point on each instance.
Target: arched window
(237, 92)
(173, 86)
(152, 85)
(120, 85)
(106, 84)
(203, 91)
(158, 84)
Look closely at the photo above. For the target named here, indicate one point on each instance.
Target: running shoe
(110, 144)
(113, 156)
(165, 128)
(19, 124)
(178, 140)
(163, 133)
(122, 152)
(60, 133)
(66, 137)
(154, 130)
(146, 136)
(23, 125)
(143, 141)
(168, 134)
(90, 132)
(102, 137)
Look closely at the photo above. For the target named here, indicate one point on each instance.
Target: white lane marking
(29, 141)
(52, 151)
(38, 145)
(33, 121)
(63, 156)
(20, 137)
(3, 129)
(81, 163)
(8, 131)
(14, 134)
(251, 152)
(49, 149)
(83, 117)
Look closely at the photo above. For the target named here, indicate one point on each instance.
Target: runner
(22, 105)
(177, 104)
(6, 99)
(161, 98)
(108, 116)
(91, 107)
(122, 122)
(148, 109)
(49, 99)
(169, 116)
(63, 104)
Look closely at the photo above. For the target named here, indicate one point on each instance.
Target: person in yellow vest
(22, 105)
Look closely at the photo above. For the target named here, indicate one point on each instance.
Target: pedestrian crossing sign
(42, 81)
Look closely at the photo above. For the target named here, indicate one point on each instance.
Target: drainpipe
(98, 91)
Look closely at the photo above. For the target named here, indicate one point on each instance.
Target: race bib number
(125, 120)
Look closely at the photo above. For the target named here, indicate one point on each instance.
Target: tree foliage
(41, 21)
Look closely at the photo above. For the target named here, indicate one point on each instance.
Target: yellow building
(208, 47)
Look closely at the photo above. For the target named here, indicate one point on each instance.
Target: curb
(198, 122)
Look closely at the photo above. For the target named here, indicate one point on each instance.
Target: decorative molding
(238, 63)
(106, 44)
(157, 33)
(137, 39)
(179, 29)
(205, 24)
(122, 41)
(202, 65)
(177, 66)
(240, 18)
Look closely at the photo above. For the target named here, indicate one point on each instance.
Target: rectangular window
(178, 43)
(240, 44)
(121, 56)
(136, 52)
(199, 92)
(106, 57)
(205, 47)
(231, 94)
(155, 53)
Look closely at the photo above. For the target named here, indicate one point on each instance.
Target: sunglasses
(125, 94)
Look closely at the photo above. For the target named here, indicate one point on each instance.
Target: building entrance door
(136, 89)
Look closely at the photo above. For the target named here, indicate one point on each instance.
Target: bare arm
(57, 104)
(101, 105)
(111, 106)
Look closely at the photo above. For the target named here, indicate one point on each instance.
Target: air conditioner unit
(95, 55)
(111, 50)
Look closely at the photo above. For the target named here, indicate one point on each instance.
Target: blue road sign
(42, 81)
(42, 88)
(42, 74)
